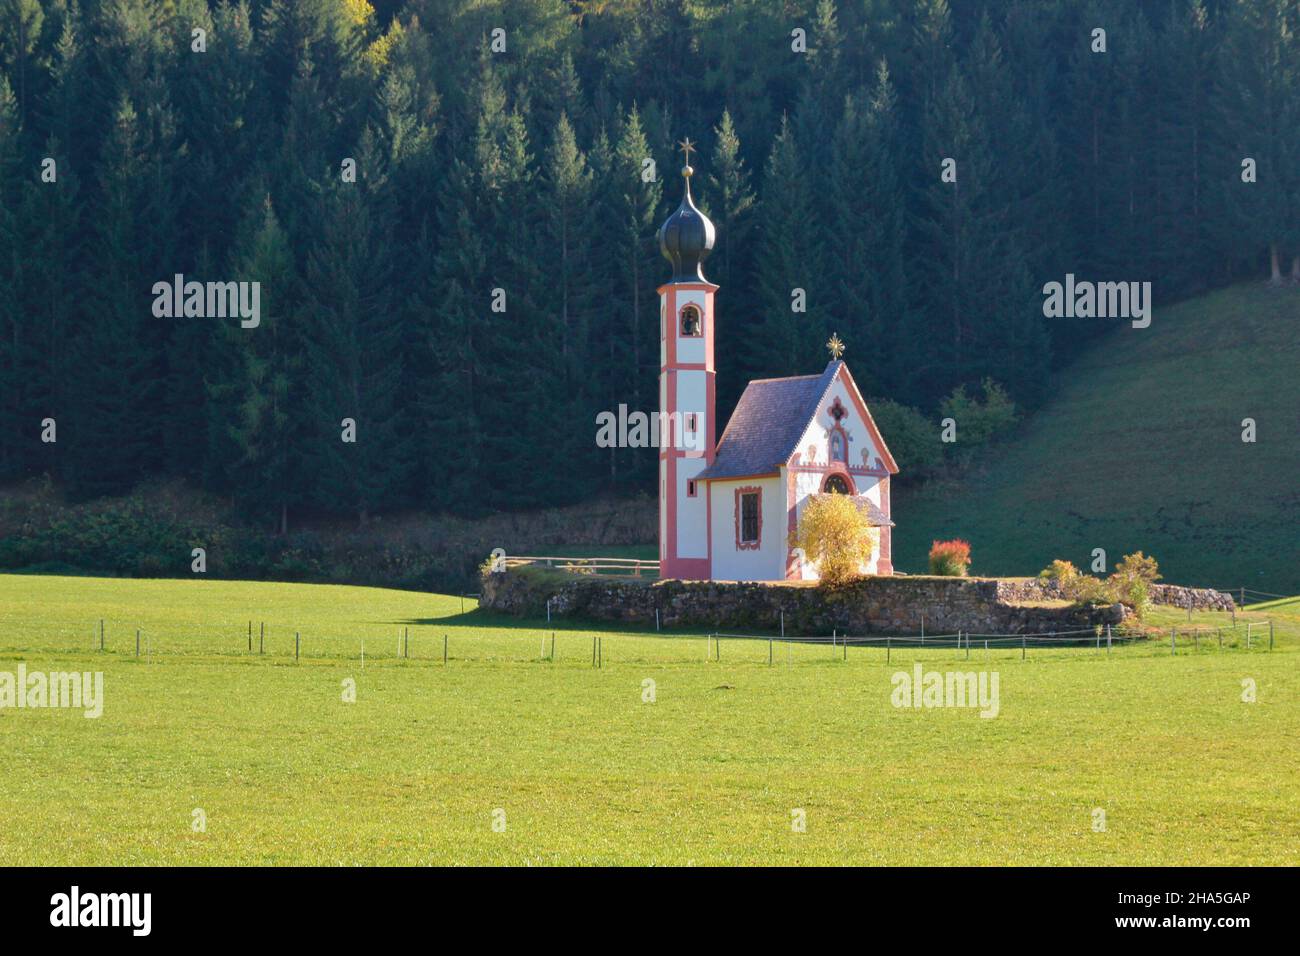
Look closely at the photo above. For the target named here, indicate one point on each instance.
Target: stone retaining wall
(873, 605)
(1199, 599)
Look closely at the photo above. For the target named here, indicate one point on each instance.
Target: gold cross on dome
(687, 148)
(835, 346)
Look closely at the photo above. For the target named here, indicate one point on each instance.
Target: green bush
(980, 418)
(912, 438)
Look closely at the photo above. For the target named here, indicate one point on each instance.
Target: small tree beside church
(836, 536)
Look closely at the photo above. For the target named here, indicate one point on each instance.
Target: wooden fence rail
(625, 566)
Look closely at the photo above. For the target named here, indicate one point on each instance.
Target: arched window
(836, 485)
(690, 321)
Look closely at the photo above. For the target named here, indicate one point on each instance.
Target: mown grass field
(588, 773)
(1140, 448)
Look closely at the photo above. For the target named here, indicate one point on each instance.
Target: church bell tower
(686, 389)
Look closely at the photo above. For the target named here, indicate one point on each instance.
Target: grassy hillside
(1141, 449)
(586, 771)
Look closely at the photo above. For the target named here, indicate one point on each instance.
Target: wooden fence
(625, 567)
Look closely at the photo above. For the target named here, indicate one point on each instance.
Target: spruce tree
(257, 408)
(353, 358)
(114, 431)
(729, 200)
(793, 294)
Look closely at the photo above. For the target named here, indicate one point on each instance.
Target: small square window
(692, 422)
(690, 489)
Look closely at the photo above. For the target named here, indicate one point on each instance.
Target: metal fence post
(1022, 647)
(101, 633)
(137, 642)
(1270, 635)
(1173, 640)
(297, 642)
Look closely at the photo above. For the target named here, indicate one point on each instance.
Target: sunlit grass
(587, 772)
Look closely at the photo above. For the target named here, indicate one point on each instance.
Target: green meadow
(574, 765)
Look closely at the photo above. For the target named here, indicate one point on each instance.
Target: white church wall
(692, 396)
(692, 513)
(767, 561)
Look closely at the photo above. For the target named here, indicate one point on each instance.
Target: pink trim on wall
(793, 570)
(758, 541)
(885, 562)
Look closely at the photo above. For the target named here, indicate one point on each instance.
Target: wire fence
(1239, 594)
(426, 643)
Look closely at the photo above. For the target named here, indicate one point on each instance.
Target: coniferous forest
(500, 152)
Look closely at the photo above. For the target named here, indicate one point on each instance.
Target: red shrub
(950, 558)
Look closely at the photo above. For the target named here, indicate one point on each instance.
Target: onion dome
(686, 238)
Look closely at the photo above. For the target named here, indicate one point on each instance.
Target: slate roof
(768, 422)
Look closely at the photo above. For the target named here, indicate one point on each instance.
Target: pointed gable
(886, 457)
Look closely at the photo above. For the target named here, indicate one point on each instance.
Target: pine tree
(1258, 85)
(1181, 151)
(257, 406)
(20, 32)
(353, 359)
(793, 295)
(866, 230)
(14, 437)
(563, 337)
(729, 200)
(113, 433)
(982, 317)
(632, 330)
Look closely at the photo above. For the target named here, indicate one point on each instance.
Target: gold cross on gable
(687, 148)
(835, 346)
